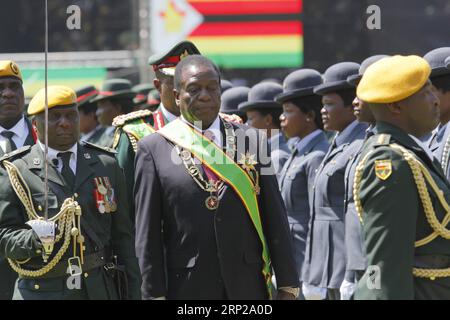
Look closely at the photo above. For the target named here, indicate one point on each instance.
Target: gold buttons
(38, 251)
(86, 274)
(40, 208)
(36, 287)
(75, 195)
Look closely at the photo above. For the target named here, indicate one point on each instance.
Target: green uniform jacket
(393, 219)
(125, 144)
(113, 231)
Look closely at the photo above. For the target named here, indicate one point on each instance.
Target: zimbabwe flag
(233, 33)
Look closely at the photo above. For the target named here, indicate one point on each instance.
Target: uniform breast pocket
(39, 202)
(335, 184)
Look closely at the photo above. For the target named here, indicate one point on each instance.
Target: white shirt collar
(304, 142)
(214, 127)
(20, 128)
(53, 154)
(167, 114)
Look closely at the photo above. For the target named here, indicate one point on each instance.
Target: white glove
(313, 293)
(347, 288)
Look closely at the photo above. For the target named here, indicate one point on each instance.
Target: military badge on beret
(14, 68)
(383, 169)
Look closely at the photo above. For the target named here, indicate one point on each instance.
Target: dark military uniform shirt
(105, 234)
(296, 182)
(325, 250)
(394, 220)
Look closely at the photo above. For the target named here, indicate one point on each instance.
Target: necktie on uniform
(66, 171)
(10, 145)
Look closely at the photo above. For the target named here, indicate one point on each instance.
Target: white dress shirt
(167, 114)
(52, 157)
(20, 130)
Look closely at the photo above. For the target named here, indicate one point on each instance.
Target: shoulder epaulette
(95, 146)
(15, 153)
(120, 120)
(382, 139)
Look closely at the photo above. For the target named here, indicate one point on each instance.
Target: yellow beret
(57, 96)
(9, 68)
(393, 79)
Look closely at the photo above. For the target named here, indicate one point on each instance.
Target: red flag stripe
(248, 7)
(248, 28)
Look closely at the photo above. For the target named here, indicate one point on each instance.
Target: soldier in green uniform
(132, 127)
(400, 191)
(86, 245)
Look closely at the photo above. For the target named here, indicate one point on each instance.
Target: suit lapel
(85, 160)
(29, 141)
(36, 163)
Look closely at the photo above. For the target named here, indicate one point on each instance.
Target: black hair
(88, 108)
(442, 83)
(347, 95)
(311, 103)
(274, 112)
(194, 59)
(126, 104)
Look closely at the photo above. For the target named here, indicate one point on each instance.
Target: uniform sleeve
(149, 242)
(390, 209)
(276, 227)
(123, 237)
(17, 240)
(125, 157)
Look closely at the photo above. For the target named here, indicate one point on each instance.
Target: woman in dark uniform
(301, 118)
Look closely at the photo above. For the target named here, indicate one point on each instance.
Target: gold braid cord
(133, 141)
(65, 220)
(420, 174)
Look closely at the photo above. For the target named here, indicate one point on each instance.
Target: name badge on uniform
(104, 195)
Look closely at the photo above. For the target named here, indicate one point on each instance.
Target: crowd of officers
(357, 207)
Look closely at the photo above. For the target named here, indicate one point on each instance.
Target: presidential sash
(229, 171)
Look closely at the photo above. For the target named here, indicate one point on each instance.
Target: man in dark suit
(15, 132)
(86, 234)
(204, 228)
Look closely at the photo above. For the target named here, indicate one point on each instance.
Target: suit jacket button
(218, 219)
(86, 274)
(36, 287)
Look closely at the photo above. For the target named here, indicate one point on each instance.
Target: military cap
(232, 98)
(225, 85)
(355, 78)
(142, 91)
(335, 77)
(393, 79)
(85, 95)
(9, 68)
(447, 62)
(262, 96)
(436, 59)
(167, 61)
(153, 98)
(115, 88)
(56, 96)
(298, 84)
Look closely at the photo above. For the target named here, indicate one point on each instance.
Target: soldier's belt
(91, 261)
(435, 261)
